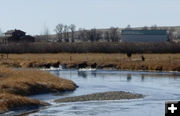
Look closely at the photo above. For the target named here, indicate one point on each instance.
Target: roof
(144, 32)
(12, 31)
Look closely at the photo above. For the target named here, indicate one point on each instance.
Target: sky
(33, 16)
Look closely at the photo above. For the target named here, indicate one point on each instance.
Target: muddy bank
(116, 95)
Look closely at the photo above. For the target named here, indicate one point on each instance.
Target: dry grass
(28, 82)
(166, 62)
(14, 84)
(11, 102)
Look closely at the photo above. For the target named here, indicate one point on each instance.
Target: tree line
(88, 47)
(68, 33)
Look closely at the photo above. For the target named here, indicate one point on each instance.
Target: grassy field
(16, 84)
(160, 62)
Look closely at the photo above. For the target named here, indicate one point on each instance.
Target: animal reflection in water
(129, 77)
(83, 72)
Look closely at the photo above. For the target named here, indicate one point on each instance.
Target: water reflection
(142, 77)
(94, 73)
(82, 74)
(129, 77)
(157, 87)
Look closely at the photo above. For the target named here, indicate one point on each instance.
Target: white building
(144, 35)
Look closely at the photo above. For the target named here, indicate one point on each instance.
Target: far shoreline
(105, 69)
(152, 62)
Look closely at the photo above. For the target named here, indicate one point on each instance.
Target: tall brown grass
(14, 84)
(12, 102)
(28, 82)
(166, 62)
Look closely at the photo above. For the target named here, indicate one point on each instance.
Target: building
(15, 33)
(17, 36)
(144, 35)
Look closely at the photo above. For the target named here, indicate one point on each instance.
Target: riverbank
(156, 62)
(114, 95)
(16, 85)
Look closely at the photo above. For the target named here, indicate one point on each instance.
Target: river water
(158, 87)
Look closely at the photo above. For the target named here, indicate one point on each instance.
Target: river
(157, 87)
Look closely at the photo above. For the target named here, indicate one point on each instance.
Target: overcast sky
(33, 15)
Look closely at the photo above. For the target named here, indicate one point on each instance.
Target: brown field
(160, 62)
(16, 84)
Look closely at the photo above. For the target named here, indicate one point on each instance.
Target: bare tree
(107, 36)
(72, 27)
(46, 33)
(154, 27)
(114, 34)
(128, 27)
(92, 35)
(171, 35)
(1, 33)
(59, 32)
(99, 36)
(145, 28)
(66, 33)
(1, 39)
(83, 34)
